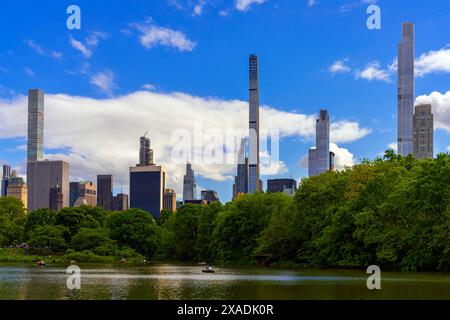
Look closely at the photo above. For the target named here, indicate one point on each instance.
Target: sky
(181, 66)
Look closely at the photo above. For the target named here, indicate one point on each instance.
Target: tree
(12, 220)
(205, 230)
(74, 219)
(91, 239)
(48, 239)
(40, 217)
(180, 233)
(136, 229)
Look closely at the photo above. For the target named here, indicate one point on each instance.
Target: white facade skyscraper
(406, 91)
(319, 157)
(254, 183)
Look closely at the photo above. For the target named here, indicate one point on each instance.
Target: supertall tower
(35, 125)
(254, 184)
(145, 152)
(406, 90)
(189, 184)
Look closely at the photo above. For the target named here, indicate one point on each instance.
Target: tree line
(393, 212)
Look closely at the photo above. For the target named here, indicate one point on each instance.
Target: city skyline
(363, 111)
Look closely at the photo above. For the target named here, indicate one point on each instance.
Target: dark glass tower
(254, 183)
(105, 191)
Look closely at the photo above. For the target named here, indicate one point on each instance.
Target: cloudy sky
(171, 66)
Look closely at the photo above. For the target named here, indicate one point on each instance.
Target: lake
(171, 281)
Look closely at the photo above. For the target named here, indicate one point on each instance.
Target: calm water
(165, 281)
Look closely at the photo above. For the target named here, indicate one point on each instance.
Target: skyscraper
(5, 177)
(319, 157)
(145, 152)
(241, 179)
(17, 188)
(147, 186)
(35, 125)
(120, 202)
(254, 183)
(147, 183)
(42, 175)
(189, 184)
(423, 132)
(73, 193)
(406, 90)
(105, 191)
(170, 200)
(88, 190)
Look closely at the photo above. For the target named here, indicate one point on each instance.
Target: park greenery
(393, 212)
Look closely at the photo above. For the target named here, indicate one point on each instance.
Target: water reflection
(165, 281)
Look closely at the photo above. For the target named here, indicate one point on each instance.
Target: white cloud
(198, 8)
(393, 146)
(153, 35)
(448, 148)
(433, 62)
(78, 45)
(102, 135)
(148, 87)
(339, 66)
(346, 131)
(94, 38)
(56, 54)
(104, 80)
(312, 3)
(29, 72)
(373, 71)
(441, 108)
(35, 47)
(343, 158)
(244, 5)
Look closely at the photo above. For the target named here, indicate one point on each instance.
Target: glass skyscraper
(105, 191)
(241, 179)
(5, 178)
(319, 157)
(145, 152)
(35, 125)
(254, 183)
(423, 132)
(406, 90)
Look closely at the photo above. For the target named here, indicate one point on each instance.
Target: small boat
(41, 263)
(208, 269)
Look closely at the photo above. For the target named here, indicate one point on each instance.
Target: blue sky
(313, 54)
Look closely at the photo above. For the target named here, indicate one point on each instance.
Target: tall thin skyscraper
(5, 178)
(145, 153)
(105, 191)
(319, 157)
(241, 180)
(35, 125)
(406, 90)
(254, 183)
(423, 132)
(189, 184)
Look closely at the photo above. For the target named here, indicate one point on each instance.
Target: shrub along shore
(393, 212)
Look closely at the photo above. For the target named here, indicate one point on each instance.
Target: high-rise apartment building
(423, 132)
(189, 184)
(105, 191)
(406, 90)
(120, 202)
(35, 150)
(319, 157)
(170, 200)
(254, 183)
(288, 186)
(5, 177)
(42, 175)
(209, 196)
(145, 152)
(17, 188)
(88, 191)
(56, 198)
(241, 179)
